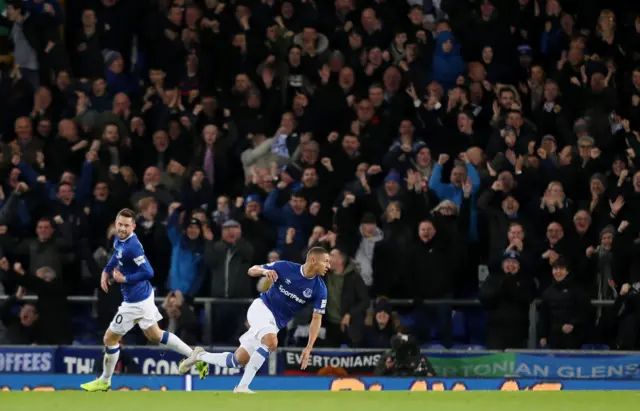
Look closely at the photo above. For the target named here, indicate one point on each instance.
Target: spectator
(186, 272)
(154, 237)
(24, 328)
(179, 318)
(50, 312)
(28, 45)
(506, 294)
(347, 302)
(294, 214)
(447, 62)
(433, 271)
(380, 326)
(564, 312)
(227, 262)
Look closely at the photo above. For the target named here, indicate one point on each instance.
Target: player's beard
(123, 235)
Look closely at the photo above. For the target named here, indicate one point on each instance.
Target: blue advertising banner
(27, 359)
(80, 360)
(152, 361)
(52, 382)
(584, 366)
(354, 363)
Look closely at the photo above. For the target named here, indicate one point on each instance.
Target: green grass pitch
(320, 401)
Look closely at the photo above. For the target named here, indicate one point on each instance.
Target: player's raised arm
(259, 271)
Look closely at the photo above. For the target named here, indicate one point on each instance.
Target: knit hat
(368, 218)
(194, 221)
(608, 230)
(586, 140)
(525, 50)
(383, 305)
(253, 198)
(110, 56)
(393, 176)
(581, 126)
(230, 224)
(511, 255)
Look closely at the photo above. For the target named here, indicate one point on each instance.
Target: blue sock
(224, 359)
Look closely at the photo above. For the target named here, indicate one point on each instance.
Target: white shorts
(144, 313)
(261, 322)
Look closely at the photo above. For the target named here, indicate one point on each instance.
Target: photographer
(404, 359)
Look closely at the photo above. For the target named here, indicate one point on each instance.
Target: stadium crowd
(440, 149)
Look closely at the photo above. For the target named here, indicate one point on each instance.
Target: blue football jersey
(292, 291)
(128, 256)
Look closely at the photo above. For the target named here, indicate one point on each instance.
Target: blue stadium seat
(459, 325)
(408, 320)
(599, 347)
(476, 325)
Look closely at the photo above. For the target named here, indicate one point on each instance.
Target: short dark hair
(505, 90)
(64, 183)
(127, 213)
(16, 4)
(316, 251)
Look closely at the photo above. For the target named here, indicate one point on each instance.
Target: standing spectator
(227, 262)
(154, 238)
(506, 295)
(187, 252)
(564, 312)
(347, 302)
(294, 214)
(28, 44)
(433, 279)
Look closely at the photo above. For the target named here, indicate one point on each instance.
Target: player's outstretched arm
(314, 330)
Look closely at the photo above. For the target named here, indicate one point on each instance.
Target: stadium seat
(459, 326)
(598, 347)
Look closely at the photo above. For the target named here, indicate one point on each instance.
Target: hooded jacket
(185, 273)
(446, 66)
(364, 255)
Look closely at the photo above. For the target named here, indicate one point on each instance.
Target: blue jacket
(284, 217)
(185, 273)
(446, 67)
(82, 188)
(38, 8)
(455, 194)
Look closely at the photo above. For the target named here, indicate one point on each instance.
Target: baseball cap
(253, 198)
(511, 255)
